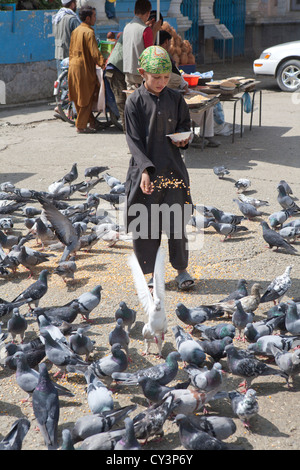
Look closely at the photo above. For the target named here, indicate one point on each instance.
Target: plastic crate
(106, 47)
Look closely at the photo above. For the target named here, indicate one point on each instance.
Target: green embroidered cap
(155, 59)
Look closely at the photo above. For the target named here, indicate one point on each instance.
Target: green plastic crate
(106, 47)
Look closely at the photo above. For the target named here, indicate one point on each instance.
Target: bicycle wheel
(65, 107)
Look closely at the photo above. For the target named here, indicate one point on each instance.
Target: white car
(283, 63)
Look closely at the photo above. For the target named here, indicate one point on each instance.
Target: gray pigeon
(88, 301)
(193, 316)
(206, 379)
(275, 239)
(249, 211)
(264, 345)
(14, 439)
(190, 350)
(287, 361)
(247, 366)
(60, 354)
(93, 171)
(239, 292)
(216, 426)
(102, 441)
(60, 313)
(55, 332)
(190, 401)
(66, 269)
(286, 186)
(278, 287)
(43, 233)
(8, 241)
(127, 314)
(221, 171)
(35, 291)
(290, 233)
(240, 319)
(285, 200)
(256, 330)
(81, 344)
(119, 335)
(277, 219)
(163, 373)
(88, 425)
(128, 441)
(219, 331)
(65, 231)
(98, 396)
(71, 176)
(155, 392)
(292, 318)
(193, 438)
(200, 221)
(227, 229)
(17, 325)
(111, 180)
(30, 258)
(67, 442)
(28, 378)
(113, 364)
(242, 184)
(45, 403)
(33, 350)
(244, 405)
(225, 217)
(215, 348)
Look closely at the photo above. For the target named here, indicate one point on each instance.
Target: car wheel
(288, 75)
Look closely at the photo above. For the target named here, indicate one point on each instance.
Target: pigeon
(119, 335)
(192, 316)
(200, 221)
(66, 269)
(28, 378)
(55, 332)
(256, 330)
(86, 186)
(45, 403)
(14, 439)
(249, 302)
(249, 211)
(98, 396)
(244, 405)
(190, 401)
(252, 200)
(277, 219)
(43, 232)
(274, 239)
(240, 319)
(17, 325)
(242, 185)
(67, 442)
(7, 187)
(292, 223)
(247, 367)
(264, 345)
(111, 180)
(60, 354)
(219, 331)
(189, 349)
(286, 186)
(153, 304)
(193, 438)
(102, 441)
(31, 211)
(88, 301)
(290, 233)
(225, 217)
(287, 361)
(118, 189)
(6, 224)
(151, 420)
(35, 291)
(128, 441)
(81, 344)
(11, 208)
(8, 241)
(114, 363)
(292, 318)
(71, 176)
(113, 199)
(162, 373)
(155, 392)
(34, 352)
(216, 426)
(206, 380)
(285, 201)
(221, 171)
(30, 258)
(7, 307)
(227, 229)
(94, 171)
(60, 313)
(65, 231)
(216, 348)
(278, 287)
(89, 425)
(241, 291)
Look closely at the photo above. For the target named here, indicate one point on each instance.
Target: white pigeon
(153, 304)
(252, 200)
(278, 287)
(242, 185)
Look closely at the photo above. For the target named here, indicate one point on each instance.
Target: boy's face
(155, 83)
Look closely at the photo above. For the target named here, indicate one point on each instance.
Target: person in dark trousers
(157, 178)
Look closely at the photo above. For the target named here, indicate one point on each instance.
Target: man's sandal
(184, 281)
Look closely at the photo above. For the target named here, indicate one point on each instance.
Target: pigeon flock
(191, 363)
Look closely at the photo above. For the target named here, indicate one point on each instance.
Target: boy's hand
(181, 143)
(146, 185)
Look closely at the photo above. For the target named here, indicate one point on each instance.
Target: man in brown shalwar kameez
(82, 78)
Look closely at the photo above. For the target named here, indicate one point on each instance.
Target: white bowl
(178, 136)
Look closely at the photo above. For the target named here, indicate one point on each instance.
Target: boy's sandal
(184, 281)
